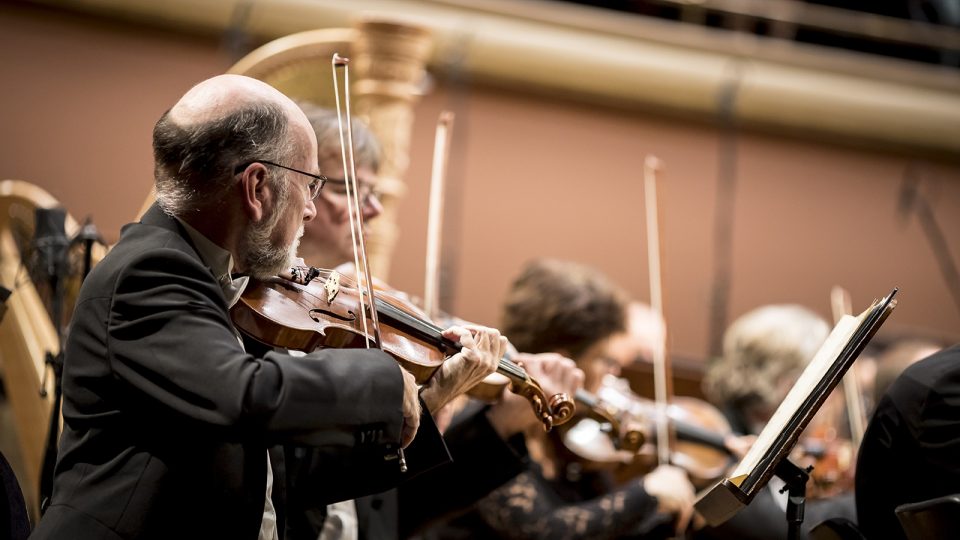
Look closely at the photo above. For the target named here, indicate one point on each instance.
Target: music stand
(768, 456)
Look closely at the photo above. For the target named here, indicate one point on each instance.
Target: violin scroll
(562, 407)
(555, 411)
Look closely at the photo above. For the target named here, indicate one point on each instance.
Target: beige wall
(545, 178)
(535, 175)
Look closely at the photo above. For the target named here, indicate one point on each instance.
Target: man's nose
(372, 207)
(309, 210)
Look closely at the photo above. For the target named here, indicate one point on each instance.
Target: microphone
(50, 240)
(88, 236)
(88, 233)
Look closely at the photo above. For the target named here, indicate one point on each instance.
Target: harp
(29, 328)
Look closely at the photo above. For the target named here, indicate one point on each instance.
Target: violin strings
(431, 332)
(353, 204)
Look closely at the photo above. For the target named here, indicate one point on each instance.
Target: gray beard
(260, 257)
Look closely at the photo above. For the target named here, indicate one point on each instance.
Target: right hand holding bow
(674, 492)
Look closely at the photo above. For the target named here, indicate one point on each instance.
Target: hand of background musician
(739, 445)
(674, 493)
(556, 374)
(481, 353)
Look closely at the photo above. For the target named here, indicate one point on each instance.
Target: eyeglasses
(339, 187)
(314, 186)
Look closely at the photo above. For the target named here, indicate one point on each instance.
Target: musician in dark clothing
(167, 417)
(911, 449)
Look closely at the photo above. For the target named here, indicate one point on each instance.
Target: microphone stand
(55, 257)
(57, 265)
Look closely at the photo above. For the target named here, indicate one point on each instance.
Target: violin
(326, 312)
(616, 431)
(490, 388)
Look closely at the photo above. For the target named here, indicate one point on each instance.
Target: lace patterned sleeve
(528, 508)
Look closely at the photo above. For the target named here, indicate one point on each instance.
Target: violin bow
(353, 203)
(551, 411)
(354, 211)
(441, 150)
(662, 378)
(841, 305)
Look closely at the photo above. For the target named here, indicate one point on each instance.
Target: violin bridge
(332, 286)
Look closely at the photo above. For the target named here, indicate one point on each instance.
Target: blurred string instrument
(616, 431)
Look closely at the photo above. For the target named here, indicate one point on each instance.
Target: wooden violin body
(326, 312)
(616, 431)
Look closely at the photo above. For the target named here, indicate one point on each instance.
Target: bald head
(218, 125)
(223, 95)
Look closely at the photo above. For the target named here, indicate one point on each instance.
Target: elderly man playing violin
(483, 448)
(167, 418)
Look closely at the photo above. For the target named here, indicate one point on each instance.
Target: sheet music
(847, 339)
(814, 372)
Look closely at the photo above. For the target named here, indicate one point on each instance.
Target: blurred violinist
(481, 457)
(570, 309)
(645, 328)
(706, 445)
(764, 351)
(327, 241)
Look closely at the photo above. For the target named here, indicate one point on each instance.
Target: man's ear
(256, 197)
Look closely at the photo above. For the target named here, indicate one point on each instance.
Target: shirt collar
(220, 262)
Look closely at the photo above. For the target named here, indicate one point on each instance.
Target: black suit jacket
(482, 461)
(911, 449)
(167, 419)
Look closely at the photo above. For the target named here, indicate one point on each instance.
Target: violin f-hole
(313, 315)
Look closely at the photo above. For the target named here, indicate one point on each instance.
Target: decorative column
(387, 68)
